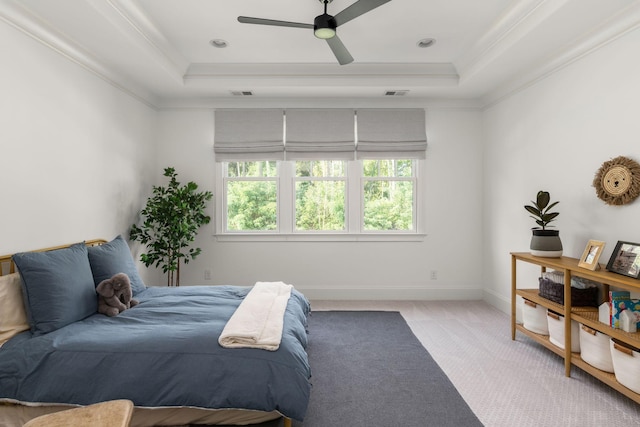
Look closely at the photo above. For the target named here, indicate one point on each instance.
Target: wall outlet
(207, 275)
(434, 275)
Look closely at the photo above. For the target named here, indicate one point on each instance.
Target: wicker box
(556, 331)
(534, 318)
(594, 348)
(626, 364)
(579, 297)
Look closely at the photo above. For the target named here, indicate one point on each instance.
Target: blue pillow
(57, 286)
(112, 258)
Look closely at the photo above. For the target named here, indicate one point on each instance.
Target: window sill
(320, 237)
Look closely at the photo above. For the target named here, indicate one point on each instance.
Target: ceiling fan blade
(261, 21)
(358, 8)
(339, 50)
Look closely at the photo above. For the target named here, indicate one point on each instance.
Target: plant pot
(546, 243)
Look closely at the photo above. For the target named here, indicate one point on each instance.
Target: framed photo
(591, 255)
(625, 259)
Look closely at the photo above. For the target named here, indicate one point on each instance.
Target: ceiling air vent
(241, 93)
(396, 93)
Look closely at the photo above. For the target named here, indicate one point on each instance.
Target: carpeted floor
(369, 369)
(506, 383)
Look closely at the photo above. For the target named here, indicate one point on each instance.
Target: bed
(162, 354)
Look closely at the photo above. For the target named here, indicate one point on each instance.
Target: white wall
(554, 136)
(76, 154)
(363, 270)
(79, 156)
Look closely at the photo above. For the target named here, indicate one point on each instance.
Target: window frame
(354, 209)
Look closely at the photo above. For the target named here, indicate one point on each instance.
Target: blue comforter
(163, 352)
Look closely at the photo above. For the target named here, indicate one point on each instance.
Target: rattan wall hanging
(617, 182)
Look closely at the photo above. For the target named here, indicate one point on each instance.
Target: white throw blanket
(259, 319)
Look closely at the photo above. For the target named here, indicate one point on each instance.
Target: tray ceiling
(160, 50)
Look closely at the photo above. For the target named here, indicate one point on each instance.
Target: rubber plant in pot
(544, 242)
(171, 220)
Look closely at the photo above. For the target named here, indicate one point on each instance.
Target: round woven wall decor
(617, 182)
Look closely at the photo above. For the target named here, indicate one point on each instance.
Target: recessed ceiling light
(426, 42)
(219, 43)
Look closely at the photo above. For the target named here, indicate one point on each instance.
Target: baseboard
(499, 301)
(392, 294)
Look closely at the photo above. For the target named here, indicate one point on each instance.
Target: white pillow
(13, 317)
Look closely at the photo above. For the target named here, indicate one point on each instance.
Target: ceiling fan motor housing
(324, 26)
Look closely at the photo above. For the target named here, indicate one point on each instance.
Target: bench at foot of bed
(114, 413)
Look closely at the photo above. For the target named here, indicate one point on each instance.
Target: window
(320, 192)
(319, 198)
(251, 196)
(388, 195)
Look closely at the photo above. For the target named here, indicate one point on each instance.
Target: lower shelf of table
(606, 377)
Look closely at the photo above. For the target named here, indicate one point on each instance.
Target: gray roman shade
(391, 133)
(327, 134)
(244, 134)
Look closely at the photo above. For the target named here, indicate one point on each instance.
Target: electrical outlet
(207, 275)
(434, 275)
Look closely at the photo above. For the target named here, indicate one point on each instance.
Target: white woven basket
(626, 365)
(534, 318)
(594, 348)
(555, 322)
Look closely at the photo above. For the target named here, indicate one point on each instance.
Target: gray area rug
(369, 369)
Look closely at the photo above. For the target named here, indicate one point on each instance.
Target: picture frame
(625, 259)
(591, 255)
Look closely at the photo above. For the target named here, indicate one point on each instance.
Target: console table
(586, 315)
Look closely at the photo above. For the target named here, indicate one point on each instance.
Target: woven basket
(579, 297)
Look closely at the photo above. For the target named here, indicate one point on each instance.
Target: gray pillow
(57, 286)
(112, 258)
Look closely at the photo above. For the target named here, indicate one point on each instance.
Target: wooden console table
(586, 315)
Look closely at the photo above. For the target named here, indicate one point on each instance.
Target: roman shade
(327, 134)
(246, 134)
(391, 133)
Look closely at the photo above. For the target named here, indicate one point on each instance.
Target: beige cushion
(114, 413)
(13, 317)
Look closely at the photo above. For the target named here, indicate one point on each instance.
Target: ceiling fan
(324, 26)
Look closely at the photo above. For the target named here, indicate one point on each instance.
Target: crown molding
(211, 103)
(139, 28)
(518, 21)
(21, 19)
(624, 22)
(320, 75)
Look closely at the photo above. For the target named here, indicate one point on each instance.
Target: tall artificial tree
(170, 222)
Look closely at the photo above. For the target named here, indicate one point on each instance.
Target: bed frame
(7, 265)
(15, 414)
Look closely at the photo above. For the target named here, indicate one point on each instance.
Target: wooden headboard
(7, 266)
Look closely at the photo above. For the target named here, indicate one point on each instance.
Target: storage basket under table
(594, 348)
(534, 317)
(556, 331)
(626, 364)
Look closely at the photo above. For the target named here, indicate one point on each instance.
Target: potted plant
(544, 242)
(171, 219)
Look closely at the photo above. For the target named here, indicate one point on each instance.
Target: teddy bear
(114, 295)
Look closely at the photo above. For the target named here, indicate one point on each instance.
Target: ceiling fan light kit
(324, 26)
